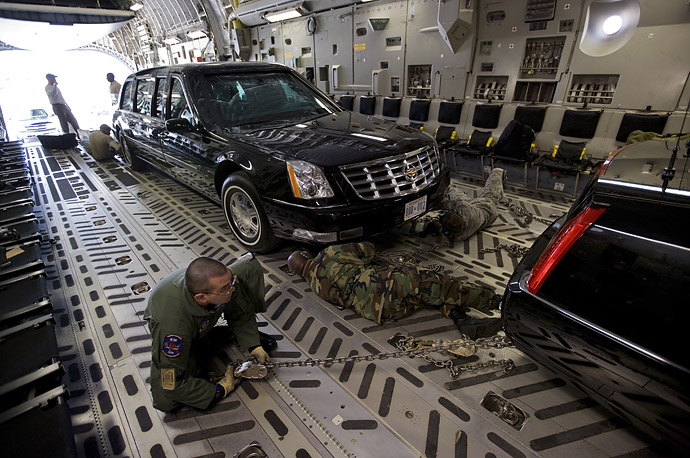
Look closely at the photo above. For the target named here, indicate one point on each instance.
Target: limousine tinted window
(240, 101)
(179, 107)
(126, 100)
(161, 98)
(144, 93)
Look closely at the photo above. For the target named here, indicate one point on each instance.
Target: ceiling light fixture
(284, 15)
(609, 25)
(171, 41)
(195, 34)
(136, 6)
(612, 24)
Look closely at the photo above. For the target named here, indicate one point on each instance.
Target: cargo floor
(116, 233)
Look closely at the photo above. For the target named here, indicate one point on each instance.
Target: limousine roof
(212, 67)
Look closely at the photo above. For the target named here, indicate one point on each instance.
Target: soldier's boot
(267, 342)
(474, 328)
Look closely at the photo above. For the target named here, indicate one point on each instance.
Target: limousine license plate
(415, 208)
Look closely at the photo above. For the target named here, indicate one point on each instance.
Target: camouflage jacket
(346, 276)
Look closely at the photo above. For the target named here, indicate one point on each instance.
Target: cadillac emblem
(410, 174)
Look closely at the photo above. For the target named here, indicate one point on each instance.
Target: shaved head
(297, 262)
(199, 272)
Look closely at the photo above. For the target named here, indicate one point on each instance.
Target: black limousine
(282, 158)
(602, 296)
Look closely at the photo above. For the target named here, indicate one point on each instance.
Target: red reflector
(559, 246)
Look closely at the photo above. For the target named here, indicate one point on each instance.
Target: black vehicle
(281, 157)
(603, 295)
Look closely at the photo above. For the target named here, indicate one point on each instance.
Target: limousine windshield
(240, 102)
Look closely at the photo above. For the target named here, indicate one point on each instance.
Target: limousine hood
(338, 139)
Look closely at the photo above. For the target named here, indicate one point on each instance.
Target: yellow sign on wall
(360, 46)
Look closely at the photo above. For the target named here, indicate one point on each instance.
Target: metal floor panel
(117, 232)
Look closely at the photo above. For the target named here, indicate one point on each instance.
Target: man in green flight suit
(345, 275)
(182, 310)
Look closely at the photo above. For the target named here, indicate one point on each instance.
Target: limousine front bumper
(348, 222)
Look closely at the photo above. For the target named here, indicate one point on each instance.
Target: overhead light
(136, 6)
(171, 41)
(612, 24)
(284, 15)
(609, 25)
(196, 34)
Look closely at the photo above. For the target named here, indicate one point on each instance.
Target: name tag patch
(168, 379)
(203, 325)
(172, 346)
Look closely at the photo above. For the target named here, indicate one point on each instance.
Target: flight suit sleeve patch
(168, 379)
(172, 346)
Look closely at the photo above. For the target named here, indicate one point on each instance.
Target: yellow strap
(453, 135)
(555, 150)
(469, 138)
(583, 153)
(489, 142)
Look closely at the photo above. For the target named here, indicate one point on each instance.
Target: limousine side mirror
(178, 124)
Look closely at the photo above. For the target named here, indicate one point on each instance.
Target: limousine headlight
(308, 180)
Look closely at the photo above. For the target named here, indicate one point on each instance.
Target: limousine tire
(246, 215)
(131, 159)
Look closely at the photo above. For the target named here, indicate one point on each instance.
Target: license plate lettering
(415, 208)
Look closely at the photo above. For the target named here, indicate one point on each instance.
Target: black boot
(474, 328)
(267, 342)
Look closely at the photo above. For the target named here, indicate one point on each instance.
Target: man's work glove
(260, 354)
(228, 382)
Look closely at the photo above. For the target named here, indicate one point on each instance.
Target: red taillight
(559, 246)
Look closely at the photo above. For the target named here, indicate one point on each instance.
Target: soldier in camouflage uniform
(345, 275)
(465, 216)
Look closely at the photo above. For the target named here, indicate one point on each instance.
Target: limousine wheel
(245, 214)
(130, 158)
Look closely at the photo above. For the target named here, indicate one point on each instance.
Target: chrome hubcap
(244, 214)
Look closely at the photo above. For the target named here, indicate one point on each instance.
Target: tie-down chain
(407, 346)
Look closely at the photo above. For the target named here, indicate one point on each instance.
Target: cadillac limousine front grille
(393, 176)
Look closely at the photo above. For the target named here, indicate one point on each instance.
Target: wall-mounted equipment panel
(542, 57)
(490, 88)
(418, 81)
(534, 91)
(385, 27)
(333, 50)
(428, 47)
(592, 89)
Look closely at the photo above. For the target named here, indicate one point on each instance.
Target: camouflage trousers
(381, 294)
(478, 212)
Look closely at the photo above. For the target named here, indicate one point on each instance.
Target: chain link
(403, 258)
(410, 346)
(523, 213)
(513, 251)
